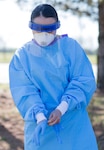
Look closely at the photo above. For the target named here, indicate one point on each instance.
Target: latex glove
(54, 117)
(57, 129)
(39, 130)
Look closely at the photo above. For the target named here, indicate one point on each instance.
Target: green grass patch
(4, 87)
(5, 57)
(93, 59)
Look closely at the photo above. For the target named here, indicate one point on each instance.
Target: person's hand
(54, 117)
(40, 128)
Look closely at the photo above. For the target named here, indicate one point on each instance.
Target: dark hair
(45, 10)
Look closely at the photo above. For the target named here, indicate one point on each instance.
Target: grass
(96, 113)
(5, 57)
(93, 59)
(96, 110)
(4, 86)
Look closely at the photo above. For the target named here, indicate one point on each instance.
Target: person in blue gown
(52, 83)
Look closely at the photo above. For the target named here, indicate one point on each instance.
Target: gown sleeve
(25, 94)
(82, 83)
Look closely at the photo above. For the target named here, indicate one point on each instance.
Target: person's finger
(51, 120)
(55, 121)
(51, 116)
(54, 117)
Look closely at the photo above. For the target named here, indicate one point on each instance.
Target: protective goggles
(44, 28)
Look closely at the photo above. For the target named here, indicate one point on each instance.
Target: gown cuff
(62, 107)
(40, 117)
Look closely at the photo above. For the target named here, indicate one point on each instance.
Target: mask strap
(44, 28)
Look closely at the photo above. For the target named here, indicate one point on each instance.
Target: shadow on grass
(8, 137)
(96, 112)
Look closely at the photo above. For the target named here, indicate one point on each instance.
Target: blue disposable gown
(40, 78)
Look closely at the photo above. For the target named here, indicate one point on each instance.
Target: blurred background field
(5, 57)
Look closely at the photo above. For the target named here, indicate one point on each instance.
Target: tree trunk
(100, 75)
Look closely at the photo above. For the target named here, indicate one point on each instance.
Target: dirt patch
(12, 125)
(96, 112)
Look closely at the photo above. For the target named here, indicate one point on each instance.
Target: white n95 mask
(44, 38)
